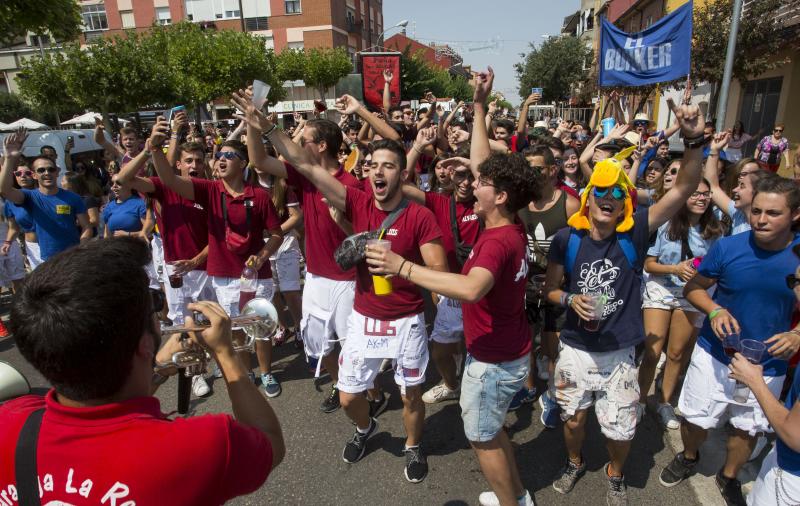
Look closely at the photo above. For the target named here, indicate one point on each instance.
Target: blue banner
(659, 54)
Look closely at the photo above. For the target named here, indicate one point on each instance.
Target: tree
(758, 41)
(417, 76)
(62, 18)
(555, 66)
(42, 84)
(12, 107)
(290, 64)
(501, 102)
(324, 67)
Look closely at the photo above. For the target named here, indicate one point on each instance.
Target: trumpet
(258, 320)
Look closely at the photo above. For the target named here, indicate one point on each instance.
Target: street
(313, 471)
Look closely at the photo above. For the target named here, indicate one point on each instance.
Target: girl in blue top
(126, 214)
(671, 262)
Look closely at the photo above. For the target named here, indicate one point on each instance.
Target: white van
(83, 138)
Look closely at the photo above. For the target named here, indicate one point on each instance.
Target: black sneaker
(570, 474)
(331, 402)
(354, 449)
(678, 470)
(416, 465)
(378, 406)
(731, 490)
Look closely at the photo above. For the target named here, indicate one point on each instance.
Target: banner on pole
(372, 67)
(659, 54)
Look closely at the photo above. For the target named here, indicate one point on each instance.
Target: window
(94, 17)
(127, 19)
(232, 14)
(295, 45)
(292, 6)
(162, 16)
(253, 24)
(269, 43)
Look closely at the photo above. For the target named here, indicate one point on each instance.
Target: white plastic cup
(260, 92)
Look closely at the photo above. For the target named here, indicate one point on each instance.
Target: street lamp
(401, 24)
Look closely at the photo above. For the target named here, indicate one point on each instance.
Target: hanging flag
(372, 67)
(659, 54)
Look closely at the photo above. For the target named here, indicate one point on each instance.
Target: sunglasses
(20, 173)
(778, 130)
(158, 298)
(49, 170)
(228, 155)
(640, 123)
(672, 172)
(616, 192)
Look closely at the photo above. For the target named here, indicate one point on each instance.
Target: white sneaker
(543, 367)
(200, 387)
(490, 499)
(440, 393)
(667, 415)
(661, 361)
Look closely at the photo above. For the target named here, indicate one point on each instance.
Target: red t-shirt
(263, 219)
(130, 453)
(414, 227)
(323, 235)
(183, 224)
(495, 327)
(468, 224)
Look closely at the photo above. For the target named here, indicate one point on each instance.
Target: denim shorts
(486, 392)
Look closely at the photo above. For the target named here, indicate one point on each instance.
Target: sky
(469, 26)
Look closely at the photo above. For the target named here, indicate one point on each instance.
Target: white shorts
(657, 296)
(286, 270)
(196, 287)
(158, 259)
(227, 290)
(707, 396)
(448, 328)
(327, 305)
(607, 380)
(370, 341)
(12, 266)
(34, 254)
(772, 479)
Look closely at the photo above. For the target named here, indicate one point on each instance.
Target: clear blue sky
(472, 24)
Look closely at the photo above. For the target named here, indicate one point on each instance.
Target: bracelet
(696, 142)
(408, 276)
(563, 301)
(269, 132)
(415, 148)
(715, 312)
(401, 266)
(570, 298)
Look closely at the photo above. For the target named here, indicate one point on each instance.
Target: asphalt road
(313, 471)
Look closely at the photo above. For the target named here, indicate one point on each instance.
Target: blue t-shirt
(739, 221)
(601, 266)
(751, 285)
(126, 215)
(668, 252)
(54, 219)
(788, 459)
(20, 215)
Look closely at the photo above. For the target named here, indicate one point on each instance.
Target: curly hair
(510, 173)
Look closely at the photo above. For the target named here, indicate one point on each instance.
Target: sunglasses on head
(615, 192)
(20, 173)
(228, 155)
(49, 170)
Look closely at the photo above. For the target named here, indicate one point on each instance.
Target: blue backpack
(623, 239)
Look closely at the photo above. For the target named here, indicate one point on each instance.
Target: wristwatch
(696, 142)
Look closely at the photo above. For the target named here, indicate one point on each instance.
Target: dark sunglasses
(641, 123)
(49, 170)
(616, 192)
(20, 173)
(672, 171)
(778, 130)
(158, 298)
(228, 155)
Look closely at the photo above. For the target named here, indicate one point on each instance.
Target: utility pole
(722, 103)
(241, 15)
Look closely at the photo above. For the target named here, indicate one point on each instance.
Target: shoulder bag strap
(25, 469)
(389, 220)
(454, 221)
(573, 245)
(247, 204)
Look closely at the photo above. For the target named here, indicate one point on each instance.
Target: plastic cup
(607, 124)
(381, 284)
(175, 279)
(731, 344)
(260, 91)
(752, 350)
(598, 301)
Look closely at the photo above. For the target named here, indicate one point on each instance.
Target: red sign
(372, 67)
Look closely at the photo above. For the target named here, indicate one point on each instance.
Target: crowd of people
(558, 262)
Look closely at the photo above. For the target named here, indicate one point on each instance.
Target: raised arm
(585, 160)
(718, 195)
(100, 138)
(295, 154)
(257, 153)
(387, 90)
(479, 147)
(349, 105)
(181, 185)
(691, 121)
(180, 123)
(12, 145)
(522, 121)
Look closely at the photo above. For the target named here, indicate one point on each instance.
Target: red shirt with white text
(468, 224)
(183, 224)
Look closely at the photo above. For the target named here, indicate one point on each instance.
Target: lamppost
(401, 24)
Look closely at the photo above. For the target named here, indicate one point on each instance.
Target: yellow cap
(608, 172)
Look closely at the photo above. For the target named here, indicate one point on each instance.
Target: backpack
(623, 239)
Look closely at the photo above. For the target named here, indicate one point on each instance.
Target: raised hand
(99, 128)
(250, 115)
(430, 97)
(492, 106)
(533, 98)
(618, 132)
(13, 142)
(388, 75)
(180, 122)
(719, 141)
(425, 137)
(346, 104)
(160, 132)
(689, 118)
(483, 86)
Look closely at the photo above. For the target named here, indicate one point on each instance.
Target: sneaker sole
(444, 399)
(670, 485)
(363, 450)
(272, 395)
(405, 473)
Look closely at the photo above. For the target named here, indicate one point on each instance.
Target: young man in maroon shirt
(492, 286)
(240, 216)
(86, 321)
(390, 326)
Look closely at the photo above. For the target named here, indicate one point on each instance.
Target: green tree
(42, 84)
(324, 67)
(290, 64)
(13, 107)
(555, 66)
(758, 41)
(62, 18)
(417, 76)
(501, 103)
